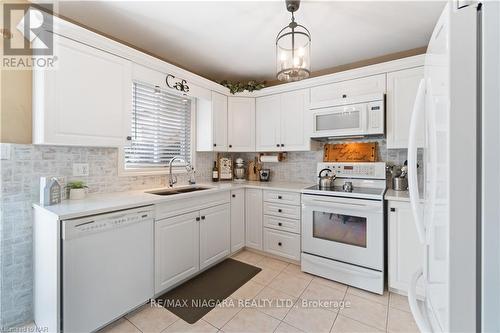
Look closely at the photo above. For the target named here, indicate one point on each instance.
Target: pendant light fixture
(293, 49)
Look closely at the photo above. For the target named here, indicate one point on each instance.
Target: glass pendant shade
(293, 53)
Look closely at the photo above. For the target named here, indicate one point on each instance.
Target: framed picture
(225, 168)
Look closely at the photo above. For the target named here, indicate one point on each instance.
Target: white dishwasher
(107, 267)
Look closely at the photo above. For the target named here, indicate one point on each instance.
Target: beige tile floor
(299, 294)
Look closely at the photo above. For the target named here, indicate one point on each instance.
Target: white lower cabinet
(405, 251)
(215, 234)
(281, 243)
(186, 243)
(176, 249)
(237, 220)
(253, 218)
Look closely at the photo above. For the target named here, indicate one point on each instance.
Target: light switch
(80, 169)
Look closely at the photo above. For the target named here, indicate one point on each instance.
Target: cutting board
(350, 152)
(253, 170)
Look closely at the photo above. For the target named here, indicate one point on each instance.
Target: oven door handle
(351, 206)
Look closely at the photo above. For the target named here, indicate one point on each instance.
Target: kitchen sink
(180, 190)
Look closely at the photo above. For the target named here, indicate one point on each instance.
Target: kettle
(325, 181)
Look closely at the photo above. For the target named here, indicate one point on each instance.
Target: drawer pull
(279, 243)
(280, 197)
(203, 217)
(234, 195)
(280, 224)
(279, 210)
(198, 219)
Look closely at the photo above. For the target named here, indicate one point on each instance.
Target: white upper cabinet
(211, 123)
(219, 107)
(241, 124)
(401, 93)
(86, 100)
(268, 123)
(295, 122)
(281, 122)
(350, 88)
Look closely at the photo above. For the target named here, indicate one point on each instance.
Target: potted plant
(236, 87)
(77, 190)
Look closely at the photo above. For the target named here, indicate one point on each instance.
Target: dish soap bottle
(215, 173)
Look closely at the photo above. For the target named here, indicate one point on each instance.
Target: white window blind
(161, 128)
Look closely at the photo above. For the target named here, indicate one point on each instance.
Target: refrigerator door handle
(418, 110)
(419, 317)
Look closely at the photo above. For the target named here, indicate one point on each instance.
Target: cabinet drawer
(349, 88)
(289, 198)
(290, 225)
(282, 243)
(291, 212)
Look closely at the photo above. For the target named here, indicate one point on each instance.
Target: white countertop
(392, 195)
(106, 202)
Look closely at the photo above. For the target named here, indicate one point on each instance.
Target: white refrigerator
(453, 105)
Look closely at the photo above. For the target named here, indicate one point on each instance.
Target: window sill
(146, 172)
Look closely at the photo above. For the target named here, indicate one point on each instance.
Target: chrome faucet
(172, 179)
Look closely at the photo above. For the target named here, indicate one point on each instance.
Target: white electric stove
(343, 226)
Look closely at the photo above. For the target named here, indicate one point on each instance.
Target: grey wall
(20, 174)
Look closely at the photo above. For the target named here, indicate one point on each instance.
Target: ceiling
(235, 39)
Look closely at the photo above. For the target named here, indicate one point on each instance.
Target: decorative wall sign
(351, 152)
(179, 85)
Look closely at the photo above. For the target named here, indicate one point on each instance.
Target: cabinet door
(215, 235)
(219, 109)
(401, 93)
(295, 122)
(241, 124)
(176, 249)
(237, 219)
(405, 251)
(349, 88)
(86, 101)
(268, 123)
(253, 218)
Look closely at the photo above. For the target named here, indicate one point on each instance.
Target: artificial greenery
(235, 87)
(76, 184)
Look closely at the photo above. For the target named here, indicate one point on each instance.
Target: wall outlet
(5, 151)
(80, 169)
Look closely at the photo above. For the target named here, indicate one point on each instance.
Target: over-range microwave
(349, 117)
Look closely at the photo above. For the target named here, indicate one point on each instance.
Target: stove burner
(347, 187)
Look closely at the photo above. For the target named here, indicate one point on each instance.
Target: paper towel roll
(269, 158)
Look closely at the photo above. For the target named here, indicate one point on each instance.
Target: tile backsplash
(21, 172)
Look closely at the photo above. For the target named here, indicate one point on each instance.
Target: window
(161, 129)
